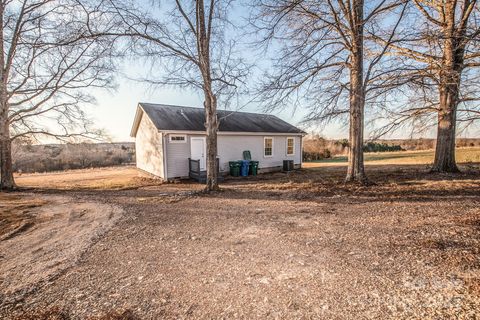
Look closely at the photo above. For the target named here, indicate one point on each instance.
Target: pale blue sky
(115, 110)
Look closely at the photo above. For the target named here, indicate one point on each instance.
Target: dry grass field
(283, 246)
(466, 156)
(98, 178)
(127, 177)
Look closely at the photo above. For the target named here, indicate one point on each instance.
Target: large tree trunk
(356, 171)
(445, 146)
(450, 76)
(6, 169)
(212, 128)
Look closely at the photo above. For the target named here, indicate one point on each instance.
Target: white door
(198, 150)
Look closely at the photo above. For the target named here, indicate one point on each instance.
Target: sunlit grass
(463, 155)
(114, 178)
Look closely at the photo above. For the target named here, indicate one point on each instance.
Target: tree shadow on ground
(400, 183)
(405, 183)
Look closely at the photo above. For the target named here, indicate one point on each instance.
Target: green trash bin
(253, 168)
(234, 168)
(247, 155)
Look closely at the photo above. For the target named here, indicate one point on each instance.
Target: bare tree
(46, 62)
(328, 62)
(188, 46)
(439, 56)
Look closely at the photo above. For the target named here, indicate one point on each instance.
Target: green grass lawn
(464, 155)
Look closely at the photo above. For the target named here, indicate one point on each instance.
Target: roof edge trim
(136, 121)
(235, 133)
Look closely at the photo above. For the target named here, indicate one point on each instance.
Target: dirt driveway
(279, 246)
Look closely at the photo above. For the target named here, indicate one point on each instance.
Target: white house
(167, 136)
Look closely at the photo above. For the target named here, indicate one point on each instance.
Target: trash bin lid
(247, 155)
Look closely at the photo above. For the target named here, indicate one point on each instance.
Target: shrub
(314, 156)
(343, 143)
(381, 147)
(327, 153)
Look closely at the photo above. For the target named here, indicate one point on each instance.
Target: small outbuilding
(167, 136)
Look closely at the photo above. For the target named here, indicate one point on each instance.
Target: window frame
(293, 146)
(170, 136)
(264, 147)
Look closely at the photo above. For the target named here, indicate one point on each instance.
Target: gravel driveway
(282, 247)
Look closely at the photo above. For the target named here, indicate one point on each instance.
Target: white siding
(148, 146)
(177, 157)
(230, 148)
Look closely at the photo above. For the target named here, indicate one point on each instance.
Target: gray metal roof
(168, 117)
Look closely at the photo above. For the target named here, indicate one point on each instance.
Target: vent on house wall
(177, 138)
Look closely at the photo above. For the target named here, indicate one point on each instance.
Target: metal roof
(168, 117)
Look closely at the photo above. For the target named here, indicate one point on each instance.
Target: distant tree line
(316, 147)
(57, 157)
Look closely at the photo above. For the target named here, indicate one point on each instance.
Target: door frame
(204, 151)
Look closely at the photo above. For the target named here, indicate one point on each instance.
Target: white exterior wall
(148, 148)
(177, 156)
(230, 148)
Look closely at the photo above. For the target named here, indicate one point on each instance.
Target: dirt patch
(57, 313)
(15, 214)
(115, 178)
(301, 245)
(44, 235)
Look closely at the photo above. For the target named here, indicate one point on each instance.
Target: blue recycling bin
(244, 169)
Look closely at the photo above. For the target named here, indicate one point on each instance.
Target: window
(268, 147)
(178, 138)
(290, 146)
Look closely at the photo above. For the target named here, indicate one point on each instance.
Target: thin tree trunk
(212, 128)
(6, 169)
(210, 104)
(356, 171)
